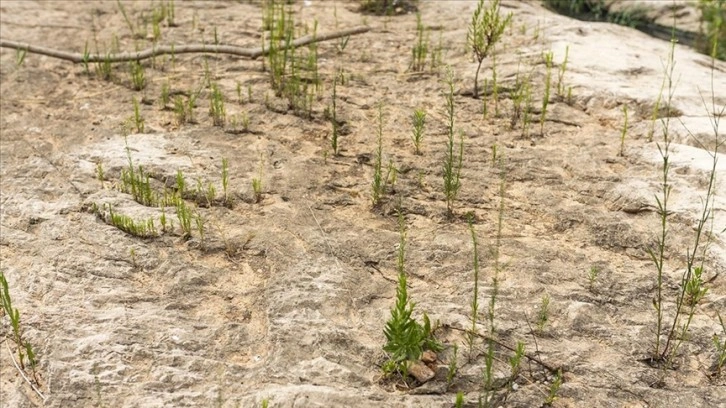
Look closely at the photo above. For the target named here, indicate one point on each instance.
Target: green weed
(138, 78)
(421, 48)
(546, 98)
(26, 353)
(216, 107)
(419, 122)
(561, 74)
(138, 119)
(378, 185)
(452, 160)
(485, 30)
(543, 314)
(406, 338)
(141, 229)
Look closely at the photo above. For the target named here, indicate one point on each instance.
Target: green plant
(257, 184)
(543, 314)
(546, 98)
(20, 56)
(100, 175)
(453, 367)
(104, 69)
(421, 48)
(334, 119)
(452, 161)
(419, 122)
(406, 338)
(185, 218)
(138, 79)
(485, 30)
(624, 132)
(165, 94)
(138, 119)
(136, 182)
(378, 182)
(592, 274)
(561, 74)
(554, 389)
(713, 17)
(141, 229)
(216, 107)
(459, 403)
(515, 364)
(225, 179)
(17, 337)
(475, 296)
(199, 221)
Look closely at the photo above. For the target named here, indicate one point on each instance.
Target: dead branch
(251, 53)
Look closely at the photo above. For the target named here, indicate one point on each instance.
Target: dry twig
(155, 51)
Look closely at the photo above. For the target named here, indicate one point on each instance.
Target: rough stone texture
(286, 299)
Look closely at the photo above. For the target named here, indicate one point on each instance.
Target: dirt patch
(287, 298)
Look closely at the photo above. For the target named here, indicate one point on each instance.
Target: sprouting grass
(485, 30)
(546, 97)
(421, 47)
(20, 56)
(100, 174)
(104, 68)
(257, 183)
(138, 78)
(334, 118)
(141, 229)
(592, 275)
(26, 354)
(138, 119)
(164, 100)
(216, 106)
(185, 215)
(453, 160)
(199, 222)
(475, 294)
(225, 179)
(406, 338)
(378, 181)
(543, 313)
(419, 122)
(561, 74)
(624, 132)
(554, 389)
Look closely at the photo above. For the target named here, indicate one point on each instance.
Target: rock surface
(286, 299)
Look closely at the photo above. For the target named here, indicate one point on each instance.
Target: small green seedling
(138, 119)
(543, 314)
(419, 122)
(554, 389)
(546, 97)
(378, 181)
(592, 276)
(225, 179)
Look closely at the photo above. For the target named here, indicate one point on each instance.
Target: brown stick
(251, 53)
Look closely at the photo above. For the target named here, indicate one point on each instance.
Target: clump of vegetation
(421, 47)
(485, 30)
(26, 354)
(419, 122)
(453, 158)
(406, 338)
(713, 28)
